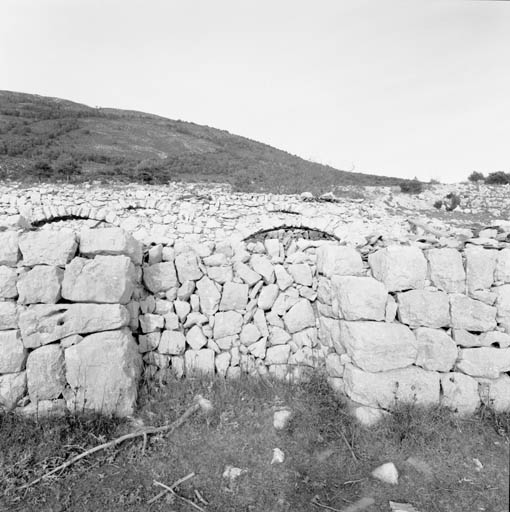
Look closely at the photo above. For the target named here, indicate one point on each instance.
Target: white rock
(502, 272)
(187, 267)
(112, 241)
(103, 372)
(44, 409)
(160, 277)
(45, 373)
(249, 276)
(497, 393)
(360, 298)
(278, 456)
(186, 290)
(306, 338)
(220, 274)
(471, 315)
(338, 260)
(486, 362)
(42, 284)
(172, 342)
(249, 334)
(329, 333)
(44, 323)
(267, 297)
(146, 342)
(234, 296)
(209, 296)
(13, 387)
(12, 352)
(227, 323)
(377, 346)
(222, 363)
(334, 365)
(259, 319)
(278, 354)
(301, 273)
(278, 336)
(386, 473)
(460, 393)
(9, 249)
(195, 338)
(47, 247)
(425, 308)
(263, 266)
(446, 270)
(368, 416)
(8, 278)
(8, 315)
(480, 267)
(399, 267)
(281, 418)
(258, 349)
(300, 316)
(199, 362)
(388, 389)
(436, 350)
(283, 278)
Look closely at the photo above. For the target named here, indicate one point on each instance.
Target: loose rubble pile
(85, 310)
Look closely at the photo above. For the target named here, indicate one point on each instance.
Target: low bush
(411, 187)
(498, 178)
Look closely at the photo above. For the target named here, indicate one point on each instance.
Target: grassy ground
(328, 457)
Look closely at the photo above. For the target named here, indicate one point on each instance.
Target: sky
(394, 87)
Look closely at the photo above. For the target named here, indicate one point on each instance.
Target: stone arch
(47, 214)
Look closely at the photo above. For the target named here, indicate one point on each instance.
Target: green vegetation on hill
(51, 139)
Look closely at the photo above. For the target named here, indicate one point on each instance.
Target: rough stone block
(378, 346)
(42, 284)
(105, 279)
(399, 267)
(172, 342)
(8, 279)
(160, 277)
(187, 267)
(9, 248)
(436, 350)
(45, 372)
(12, 352)
(47, 247)
(279, 354)
(418, 308)
(227, 323)
(110, 241)
(360, 298)
(502, 272)
(13, 387)
(103, 371)
(8, 316)
(460, 393)
(388, 389)
(496, 393)
(199, 362)
(300, 316)
(480, 267)
(209, 296)
(234, 296)
(485, 362)
(338, 260)
(446, 270)
(471, 315)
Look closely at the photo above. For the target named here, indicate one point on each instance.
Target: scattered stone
(386, 473)
(278, 456)
(47, 248)
(281, 418)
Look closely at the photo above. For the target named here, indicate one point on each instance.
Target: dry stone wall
(87, 308)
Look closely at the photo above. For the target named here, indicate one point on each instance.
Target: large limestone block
(329, 334)
(234, 296)
(227, 323)
(8, 316)
(8, 278)
(389, 389)
(301, 273)
(110, 241)
(267, 297)
(425, 308)
(199, 362)
(485, 362)
(360, 298)
(338, 260)
(160, 277)
(187, 267)
(103, 371)
(460, 393)
(9, 248)
(42, 284)
(47, 247)
(502, 272)
(105, 279)
(172, 342)
(471, 314)
(45, 372)
(496, 393)
(503, 303)
(299, 317)
(44, 323)
(399, 267)
(196, 338)
(278, 354)
(13, 387)
(436, 350)
(378, 346)
(283, 278)
(446, 270)
(249, 276)
(480, 267)
(12, 352)
(209, 296)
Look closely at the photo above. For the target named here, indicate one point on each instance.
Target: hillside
(51, 139)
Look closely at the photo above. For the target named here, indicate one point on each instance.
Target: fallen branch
(169, 489)
(200, 403)
(173, 486)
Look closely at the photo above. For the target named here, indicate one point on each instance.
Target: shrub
(498, 178)
(411, 187)
(476, 176)
(453, 201)
(438, 204)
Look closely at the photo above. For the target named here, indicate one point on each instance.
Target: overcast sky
(397, 87)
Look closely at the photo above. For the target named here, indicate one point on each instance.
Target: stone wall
(84, 313)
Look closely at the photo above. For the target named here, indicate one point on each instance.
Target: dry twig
(355, 507)
(169, 489)
(200, 403)
(173, 486)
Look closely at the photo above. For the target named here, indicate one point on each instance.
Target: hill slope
(49, 139)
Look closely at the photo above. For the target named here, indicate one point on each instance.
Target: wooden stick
(114, 442)
(175, 484)
(177, 496)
